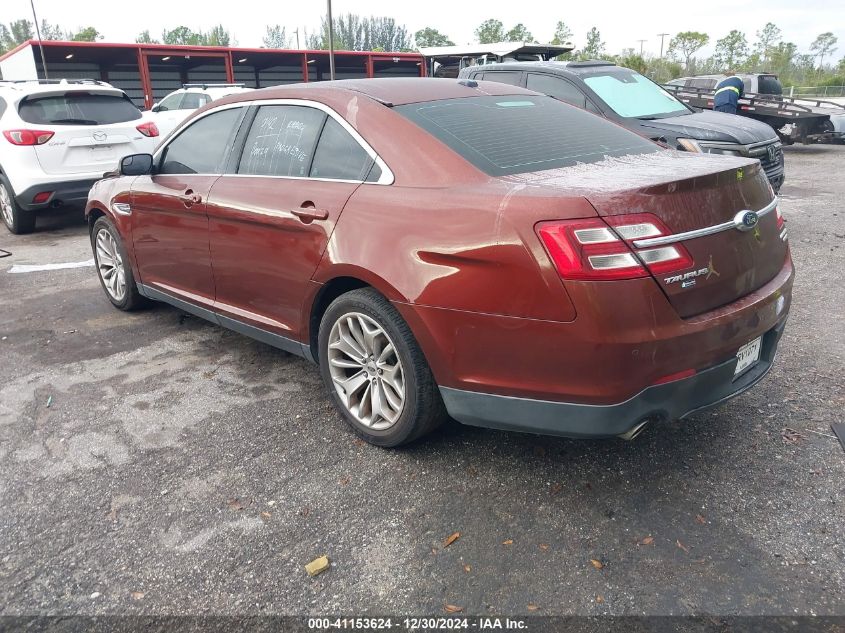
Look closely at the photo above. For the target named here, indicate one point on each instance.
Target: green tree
(767, 38)
(629, 58)
(563, 34)
(594, 48)
(354, 33)
(823, 45)
(275, 37)
(217, 36)
(87, 34)
(781, 58)
(519, 33)
(686, 44)
(732, 50)
(490, 31)
(428, 36)
(15, 34)
(181, 35)
(20, 31)
(144, 38)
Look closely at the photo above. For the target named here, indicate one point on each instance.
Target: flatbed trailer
(793, 121)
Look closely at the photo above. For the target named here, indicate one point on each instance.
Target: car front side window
(201, 148)
(171, 103)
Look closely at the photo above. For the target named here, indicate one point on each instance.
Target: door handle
(309, 214)
(190, 198)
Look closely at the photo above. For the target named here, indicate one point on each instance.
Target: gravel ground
(153, 463)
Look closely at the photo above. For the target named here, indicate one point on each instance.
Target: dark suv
(630, 99)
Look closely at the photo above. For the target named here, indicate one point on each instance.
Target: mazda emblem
(100, 136)
(746, 220)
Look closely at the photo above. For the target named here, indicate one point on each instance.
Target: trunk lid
(688, 192)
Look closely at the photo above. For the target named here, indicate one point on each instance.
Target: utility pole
(331, 40)
(641, 46)
(297, 38)
(38, 33)
(661, 36)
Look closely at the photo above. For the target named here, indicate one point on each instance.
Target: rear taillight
(148, 129)
(602, 249)
(781, 224)
(28, 137)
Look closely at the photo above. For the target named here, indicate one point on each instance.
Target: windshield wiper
(77, 121)
(647, 118)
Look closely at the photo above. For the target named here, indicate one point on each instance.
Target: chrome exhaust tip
(634, 432)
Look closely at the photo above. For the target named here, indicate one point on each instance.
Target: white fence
(817, 91)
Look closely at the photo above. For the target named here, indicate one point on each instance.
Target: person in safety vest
(728, 93)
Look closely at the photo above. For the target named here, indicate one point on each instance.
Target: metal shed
(147, 72)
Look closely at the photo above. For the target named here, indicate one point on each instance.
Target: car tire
(113, 268)
(17, 220)
(363, 340)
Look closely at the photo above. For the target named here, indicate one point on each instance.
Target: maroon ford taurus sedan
(445, 247)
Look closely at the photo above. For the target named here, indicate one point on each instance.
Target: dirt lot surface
(154, 463)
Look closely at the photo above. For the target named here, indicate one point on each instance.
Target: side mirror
(136, 165)
(156, 107)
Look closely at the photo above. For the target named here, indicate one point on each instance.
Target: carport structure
(147, 72)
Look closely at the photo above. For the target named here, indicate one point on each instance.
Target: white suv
(58, 137)
(176, 106)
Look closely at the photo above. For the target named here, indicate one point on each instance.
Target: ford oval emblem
(746, 220)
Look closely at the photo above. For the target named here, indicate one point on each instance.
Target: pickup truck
(634, 101)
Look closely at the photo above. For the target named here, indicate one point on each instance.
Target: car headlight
(691, 145)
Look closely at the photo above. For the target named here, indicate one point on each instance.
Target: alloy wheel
(6, 205)
(110, 265)
(366, 371)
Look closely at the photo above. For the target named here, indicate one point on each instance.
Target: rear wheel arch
(329, 291)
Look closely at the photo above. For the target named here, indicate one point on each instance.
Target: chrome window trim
(386, 177)
(709, 230)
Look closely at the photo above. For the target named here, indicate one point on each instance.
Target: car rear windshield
(78, 108)
(518, 134)
(631, 95)
(769, 85)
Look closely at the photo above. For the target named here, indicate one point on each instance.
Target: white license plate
(748, 355)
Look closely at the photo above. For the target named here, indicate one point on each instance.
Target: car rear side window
(78, 108)
(201, 147)
(194, 100)
(557, 88)
(517, 134)
(339, 156)
(510, 78)
(281, 141)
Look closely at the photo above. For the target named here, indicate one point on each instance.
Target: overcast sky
(621, 22)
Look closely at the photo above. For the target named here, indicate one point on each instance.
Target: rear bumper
(67, 193)
(670, 401)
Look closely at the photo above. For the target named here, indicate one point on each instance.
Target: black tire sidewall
(378, 309)
(127, 302)
(22, 221)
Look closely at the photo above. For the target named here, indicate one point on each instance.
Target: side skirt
(269, 338)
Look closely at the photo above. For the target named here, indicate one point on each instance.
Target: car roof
(391, 91)
(574, 68)
(19, 89)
